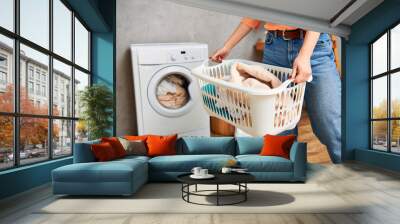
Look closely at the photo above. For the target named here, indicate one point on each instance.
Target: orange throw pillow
(277, 145)
(161, 145)
(116, 145)
(136, 137)
(103, 152)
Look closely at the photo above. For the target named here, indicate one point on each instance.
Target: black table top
(220, 178)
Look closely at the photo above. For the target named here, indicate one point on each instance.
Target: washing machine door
(172, 91)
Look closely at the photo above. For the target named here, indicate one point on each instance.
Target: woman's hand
(301, 69)
(302, 64)
(241, 31)
(220, 54)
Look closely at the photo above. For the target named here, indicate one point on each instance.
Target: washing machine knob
(172, 58)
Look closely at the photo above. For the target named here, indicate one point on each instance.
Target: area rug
(166, 198)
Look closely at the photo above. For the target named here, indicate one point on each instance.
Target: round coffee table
(238, 179)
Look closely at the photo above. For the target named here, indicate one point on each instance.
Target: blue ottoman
(118, 177)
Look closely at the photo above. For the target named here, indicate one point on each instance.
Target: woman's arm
(302, 63)
(241, 31)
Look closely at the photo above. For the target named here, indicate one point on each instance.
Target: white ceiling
(331, 16)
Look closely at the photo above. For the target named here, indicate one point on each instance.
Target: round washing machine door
(172, 91)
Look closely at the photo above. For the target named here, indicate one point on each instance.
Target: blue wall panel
(357, 84)
(24, 178)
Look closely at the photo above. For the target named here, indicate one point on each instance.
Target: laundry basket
(255, 111)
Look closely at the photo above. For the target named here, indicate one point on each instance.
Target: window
(62, 74)
(30, 72)
(44, 91)
(62, 137)
(81, 81)
(44, 125)
(37, 90)
(62, 29)
(81, 45)
(7, 14)
(3, 72)
(385, 94)
(3, 78)
(30, 88)
(6, 73)
(35, 21)
(6, 142)
(37, 74)
(3, 61)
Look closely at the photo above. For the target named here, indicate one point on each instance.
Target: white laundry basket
(256, 112)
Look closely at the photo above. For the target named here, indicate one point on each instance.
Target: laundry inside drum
(172, 91)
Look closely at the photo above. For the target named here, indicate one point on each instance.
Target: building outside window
(30, 72)
(385, 92)
(37, 74)
(3, 61)
(30, 87)
(3, 72)
(38, 89)
(43, 90)
(57, 129)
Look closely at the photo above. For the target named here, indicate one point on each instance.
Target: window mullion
(50, 81)
(16, 70)
(389, 101)
(73, 82)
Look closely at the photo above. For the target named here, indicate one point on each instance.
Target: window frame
(388, 74)
(16, 115)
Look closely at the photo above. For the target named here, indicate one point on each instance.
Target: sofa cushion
(116, 145)
(83, 152)
(134, 147)
(277, 145)
(159, 145)
(257, 163)
(206, 145)
(136, 137)
(103, 152)
(249, 145)
(112, 171)
(185, 163)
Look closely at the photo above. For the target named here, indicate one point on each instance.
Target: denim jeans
(323, 94)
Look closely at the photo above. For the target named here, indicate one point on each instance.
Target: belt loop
(275, 34)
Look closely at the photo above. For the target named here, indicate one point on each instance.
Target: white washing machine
(166, 94)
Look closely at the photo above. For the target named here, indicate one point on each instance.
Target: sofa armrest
(83, 152)
(298, 155)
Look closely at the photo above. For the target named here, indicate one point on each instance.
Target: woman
(307, 53)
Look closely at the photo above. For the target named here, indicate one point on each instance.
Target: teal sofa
(125, 176)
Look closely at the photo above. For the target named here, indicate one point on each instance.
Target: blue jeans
(323, 94)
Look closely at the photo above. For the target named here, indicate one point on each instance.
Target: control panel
(172, 55)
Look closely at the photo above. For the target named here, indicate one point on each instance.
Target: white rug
(166, 198)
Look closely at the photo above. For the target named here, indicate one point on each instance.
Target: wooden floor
(379, 189)
(316, 151)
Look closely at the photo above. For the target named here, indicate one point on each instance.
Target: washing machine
(167, 97)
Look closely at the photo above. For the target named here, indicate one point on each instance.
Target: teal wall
(24, 178)
(99, 15)
(103, 52)
(356, 85)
